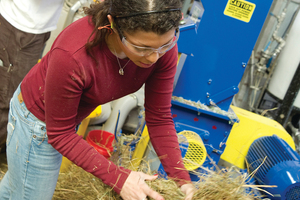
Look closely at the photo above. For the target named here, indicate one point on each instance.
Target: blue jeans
(33, 164)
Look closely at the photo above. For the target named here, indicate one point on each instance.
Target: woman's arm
(158, 93)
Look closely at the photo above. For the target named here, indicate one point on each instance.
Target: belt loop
(20, 97)
(26, 113)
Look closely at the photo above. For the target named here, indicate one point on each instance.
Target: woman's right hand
(135, 187)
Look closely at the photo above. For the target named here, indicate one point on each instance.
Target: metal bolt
(209, 81)
(207, 95)
(244, 64)
(281, 116)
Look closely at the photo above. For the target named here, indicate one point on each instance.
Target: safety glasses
(146, 51)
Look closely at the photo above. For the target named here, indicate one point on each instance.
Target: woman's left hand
(189, 191)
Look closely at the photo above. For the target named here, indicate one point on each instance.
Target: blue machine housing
(213, 128)
(214, 56)
(281, 167)
(216, 51)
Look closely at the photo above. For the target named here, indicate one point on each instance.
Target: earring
(112, 25)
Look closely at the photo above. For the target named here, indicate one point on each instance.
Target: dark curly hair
(120, 10)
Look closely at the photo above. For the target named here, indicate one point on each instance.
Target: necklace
(121, 70)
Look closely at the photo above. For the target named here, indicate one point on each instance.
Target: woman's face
(132, 42)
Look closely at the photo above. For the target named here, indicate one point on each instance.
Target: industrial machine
(223, 37)
(216, 42)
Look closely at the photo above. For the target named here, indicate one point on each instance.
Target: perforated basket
(196, 152)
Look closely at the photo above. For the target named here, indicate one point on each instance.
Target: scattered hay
(123, 153)
(226, 184)
(3, 170)
(2, 173)
(213, 107)
(220, 184)
(79, 184)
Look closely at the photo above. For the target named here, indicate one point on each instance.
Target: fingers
(151, 193)
(189, 191)
(189, 197)
(149, 177)
(147, 190)
(135, 187)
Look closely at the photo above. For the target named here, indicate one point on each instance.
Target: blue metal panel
(218, 51)
(213, 128)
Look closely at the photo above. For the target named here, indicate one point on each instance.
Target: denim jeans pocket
(39, 134)
(10, 126)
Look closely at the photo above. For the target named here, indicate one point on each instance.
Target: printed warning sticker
(239, 9)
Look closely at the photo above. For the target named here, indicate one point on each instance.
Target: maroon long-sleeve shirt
(67, 85)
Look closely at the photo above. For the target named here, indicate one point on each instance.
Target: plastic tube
(71, 13)
(123, 105)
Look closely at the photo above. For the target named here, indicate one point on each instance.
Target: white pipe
(123, 105)
(71, 13)
(105, 113)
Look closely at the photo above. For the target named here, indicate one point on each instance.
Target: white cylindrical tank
(289, 60)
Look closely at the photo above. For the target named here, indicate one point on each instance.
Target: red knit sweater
(67, 85)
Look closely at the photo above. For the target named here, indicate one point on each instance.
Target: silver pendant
(121, 71)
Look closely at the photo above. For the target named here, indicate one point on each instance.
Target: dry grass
(3, 169)
(220, 184)
(1, 174)
(226, 184)
(79, 184)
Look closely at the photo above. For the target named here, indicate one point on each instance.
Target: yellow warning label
(239, 9)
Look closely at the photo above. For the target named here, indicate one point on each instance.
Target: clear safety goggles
(146, 51)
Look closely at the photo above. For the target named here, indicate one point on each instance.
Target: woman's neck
(113, 43)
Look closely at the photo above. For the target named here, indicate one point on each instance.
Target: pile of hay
(220, 184)
(214, 185)
(79, 184)
(2, 173)
(3, 169)
(225, 184)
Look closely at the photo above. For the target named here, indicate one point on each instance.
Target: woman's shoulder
(74, 36)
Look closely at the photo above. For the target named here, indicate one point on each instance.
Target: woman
(112, 52)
